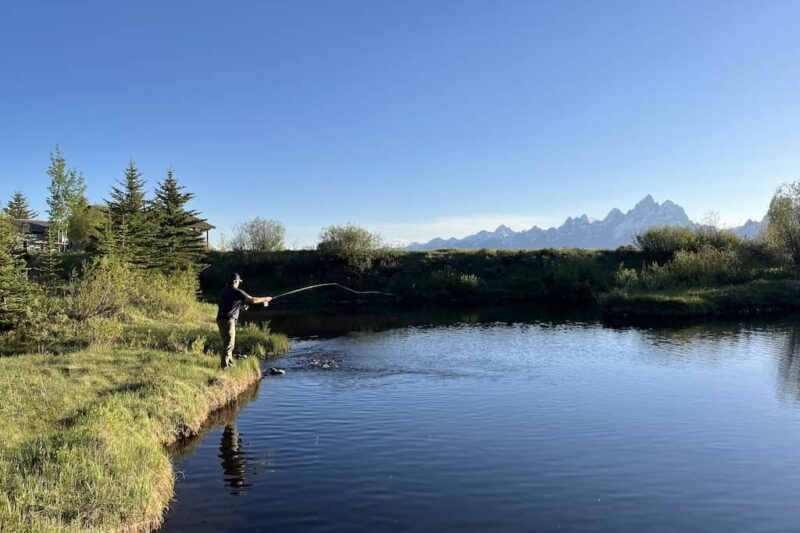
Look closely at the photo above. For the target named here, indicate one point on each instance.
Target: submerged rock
(324, 364)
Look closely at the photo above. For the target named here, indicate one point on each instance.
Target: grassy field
(84, 433)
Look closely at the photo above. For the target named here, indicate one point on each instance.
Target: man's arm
(251, 300)
(258, 299)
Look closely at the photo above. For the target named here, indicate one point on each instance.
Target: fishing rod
(331, 285)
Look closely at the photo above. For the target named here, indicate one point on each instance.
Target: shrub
(719, 239)
(450, 281)
(258, 340)
(103, 290)
(354, 245)
(626, 277)
(707, 266)
(669, 240)
(666, 240)
(109, 288)
(101, 331)
(173, 295)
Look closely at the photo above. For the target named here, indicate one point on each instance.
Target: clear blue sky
(413, 118)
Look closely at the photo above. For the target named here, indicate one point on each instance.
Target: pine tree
(18, 208)
(19, 212)
(48, 268)
(67, 194)
(131, 219)
(104, 242)
(179, 245)
(15, 289)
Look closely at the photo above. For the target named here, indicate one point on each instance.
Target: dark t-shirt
(230, 303)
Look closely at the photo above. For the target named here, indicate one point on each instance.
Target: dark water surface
(506, 420)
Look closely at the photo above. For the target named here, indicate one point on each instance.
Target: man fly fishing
(231, 300)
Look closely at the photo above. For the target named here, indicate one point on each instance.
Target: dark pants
(227, 330)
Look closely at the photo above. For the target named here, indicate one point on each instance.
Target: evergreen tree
(85, 226)
(178, 244)
(48, 267)
(18, 208)
(15, 290)
(104, 242)
(67, 194)
(19, 211)
(131, 220)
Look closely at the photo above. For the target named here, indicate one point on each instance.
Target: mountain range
(616, 229)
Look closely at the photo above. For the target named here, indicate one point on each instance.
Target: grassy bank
(84, 433)
(753, 297)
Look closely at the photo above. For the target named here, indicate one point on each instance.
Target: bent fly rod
(348, 289)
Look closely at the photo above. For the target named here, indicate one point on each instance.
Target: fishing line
(334, 285)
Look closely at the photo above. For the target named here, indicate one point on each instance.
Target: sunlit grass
(84, 434)
(759, 296)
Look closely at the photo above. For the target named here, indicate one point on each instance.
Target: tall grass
(84, 435)
(84, 432)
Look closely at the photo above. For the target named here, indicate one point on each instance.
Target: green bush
(708, 266)
(666, 240)
(99, 331)
(351, 244)
(103, 290)
(719, 239)
(626, 277)
(450, 281)
(109, 288)
(258, 340)
(159, 295)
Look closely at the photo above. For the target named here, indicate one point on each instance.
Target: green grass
(84, 433)
(759, 296)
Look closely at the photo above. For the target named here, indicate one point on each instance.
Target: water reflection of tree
(789, 366)
(234, 460)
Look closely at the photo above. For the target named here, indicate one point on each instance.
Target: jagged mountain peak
(646, 202)
(616, 229)
(613, 214)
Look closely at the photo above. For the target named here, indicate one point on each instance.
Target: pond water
(506, 420)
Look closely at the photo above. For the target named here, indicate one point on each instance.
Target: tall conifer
(18, 211)
(131, 220)
(15, 290)
(178, 243)
(18, 208)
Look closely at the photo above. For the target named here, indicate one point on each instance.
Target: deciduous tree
(258, 235)
(67, 194)
(783, 226)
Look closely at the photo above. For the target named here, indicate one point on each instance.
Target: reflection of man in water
(233, 463)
